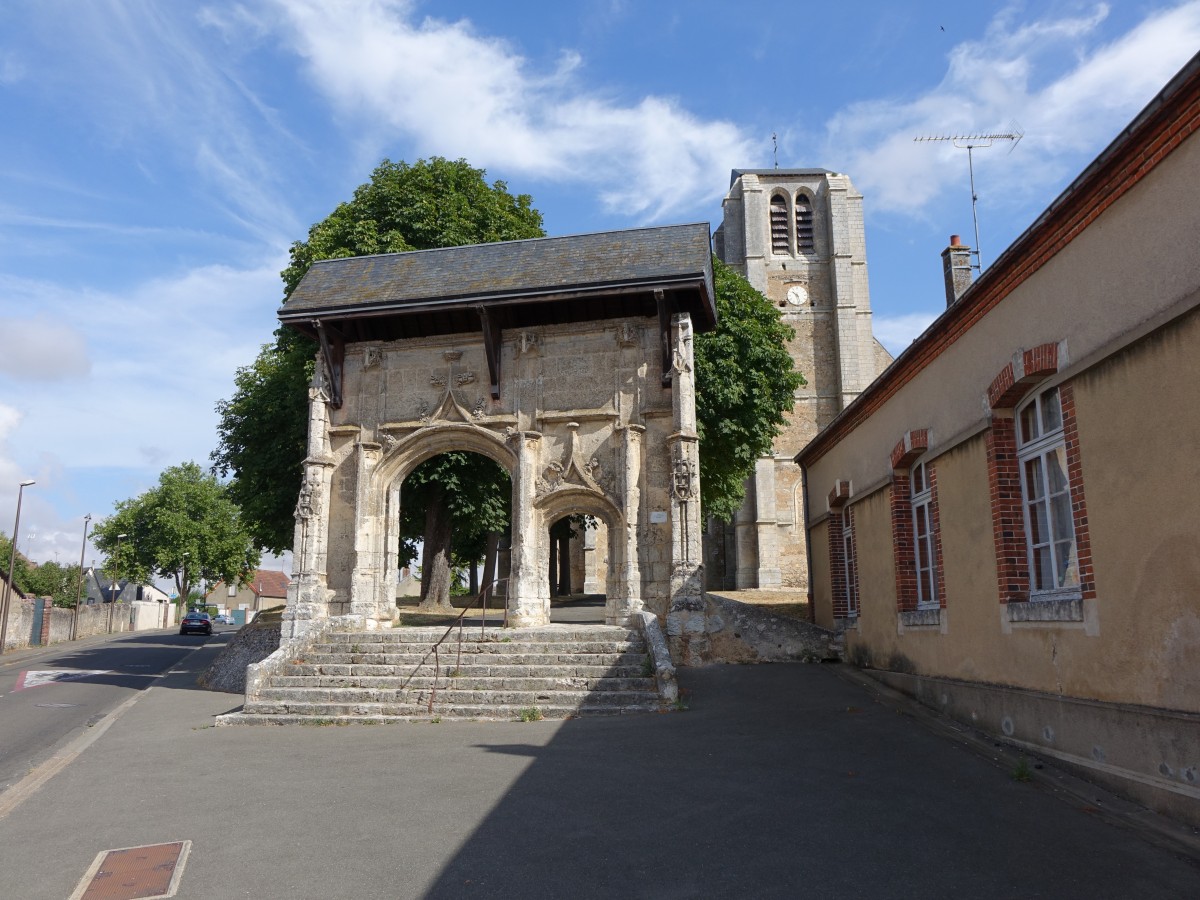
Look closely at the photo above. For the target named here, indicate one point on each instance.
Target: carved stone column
(365, 581)
(526, 603)
(591, 563)
(625, 588)
(308, 594)
(685, 615)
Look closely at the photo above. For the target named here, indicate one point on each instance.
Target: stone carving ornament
(372, 357)
(682, 479)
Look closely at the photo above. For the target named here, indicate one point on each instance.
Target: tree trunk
(473, 578)
(435, 555)
(489, 558)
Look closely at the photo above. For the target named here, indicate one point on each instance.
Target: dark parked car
(196, 623)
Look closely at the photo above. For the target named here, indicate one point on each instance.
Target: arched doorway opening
(578, 568)
(455, 511)
(586, 577)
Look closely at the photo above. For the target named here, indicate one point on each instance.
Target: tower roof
(778, 173)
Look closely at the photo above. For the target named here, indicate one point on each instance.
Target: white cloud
(458, 93)
(12, 69)
(897, 332)
(40, 349)
(1068, 92)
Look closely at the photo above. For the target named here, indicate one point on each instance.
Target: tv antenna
(970, 143)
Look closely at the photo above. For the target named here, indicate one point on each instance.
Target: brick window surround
(844, 590)
(904, 551)
(1008, 389)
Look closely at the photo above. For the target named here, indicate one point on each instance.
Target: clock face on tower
(797, 295)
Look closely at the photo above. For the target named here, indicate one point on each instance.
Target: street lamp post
(116, 585)
(12, 561)
(87, 520)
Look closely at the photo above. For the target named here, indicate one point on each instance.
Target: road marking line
(27, 786)
(36, 677)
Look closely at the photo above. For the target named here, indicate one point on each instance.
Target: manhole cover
(134, 873)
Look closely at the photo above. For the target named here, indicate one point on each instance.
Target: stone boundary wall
(737, 632)
(93, 620)
(251, 645)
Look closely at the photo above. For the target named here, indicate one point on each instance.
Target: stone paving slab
(780, 781)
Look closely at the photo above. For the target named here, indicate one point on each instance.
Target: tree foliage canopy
(48, 579)
(745, 384)
(428, 204)
(476, 492)
(186, 529)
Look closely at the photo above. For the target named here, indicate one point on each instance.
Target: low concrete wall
(1150, 755)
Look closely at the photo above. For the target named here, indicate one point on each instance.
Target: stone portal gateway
(568, 361)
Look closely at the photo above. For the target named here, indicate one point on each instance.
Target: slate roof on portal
(585, 262)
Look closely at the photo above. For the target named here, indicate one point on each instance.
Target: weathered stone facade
(593, 417)
(797, 236)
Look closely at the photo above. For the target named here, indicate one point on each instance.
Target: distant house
(1005, 523)
(263, 590)
(99, 589)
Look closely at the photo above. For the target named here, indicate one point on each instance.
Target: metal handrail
(458, 621)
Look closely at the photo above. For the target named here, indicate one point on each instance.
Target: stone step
(546, 634)
(502, 670)
(477, 647)
(463, 683)
(405, 663)
(489, 713)
(318, 701)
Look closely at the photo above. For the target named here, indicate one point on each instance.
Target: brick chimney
(956, 266)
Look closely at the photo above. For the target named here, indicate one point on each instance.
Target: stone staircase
(557, 671)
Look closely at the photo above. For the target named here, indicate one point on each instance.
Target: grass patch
(1022, 771)
(531, 714)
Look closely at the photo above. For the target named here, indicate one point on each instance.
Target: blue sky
(159, 158)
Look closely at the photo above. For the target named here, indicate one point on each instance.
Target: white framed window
(779, 225)
(1046, 492)
(805, 243)
(232, 590)
(922, 515)
(851, 564)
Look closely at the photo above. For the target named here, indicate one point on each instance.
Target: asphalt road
(49, 696)
(778, 782)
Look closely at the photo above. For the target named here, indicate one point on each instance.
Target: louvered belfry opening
(779, 224)
(804, 224)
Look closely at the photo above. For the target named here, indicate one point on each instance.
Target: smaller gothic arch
(621, 589)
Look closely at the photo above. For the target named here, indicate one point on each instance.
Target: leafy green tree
(186, 529)
(745, 382)
(453, 502)
(431, 203)
(48, 579)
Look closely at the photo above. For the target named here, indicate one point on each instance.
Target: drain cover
(135, 873)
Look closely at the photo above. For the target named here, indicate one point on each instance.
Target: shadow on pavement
(786, 781)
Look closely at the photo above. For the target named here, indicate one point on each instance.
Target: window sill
(1049, 610)
(916, 618)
